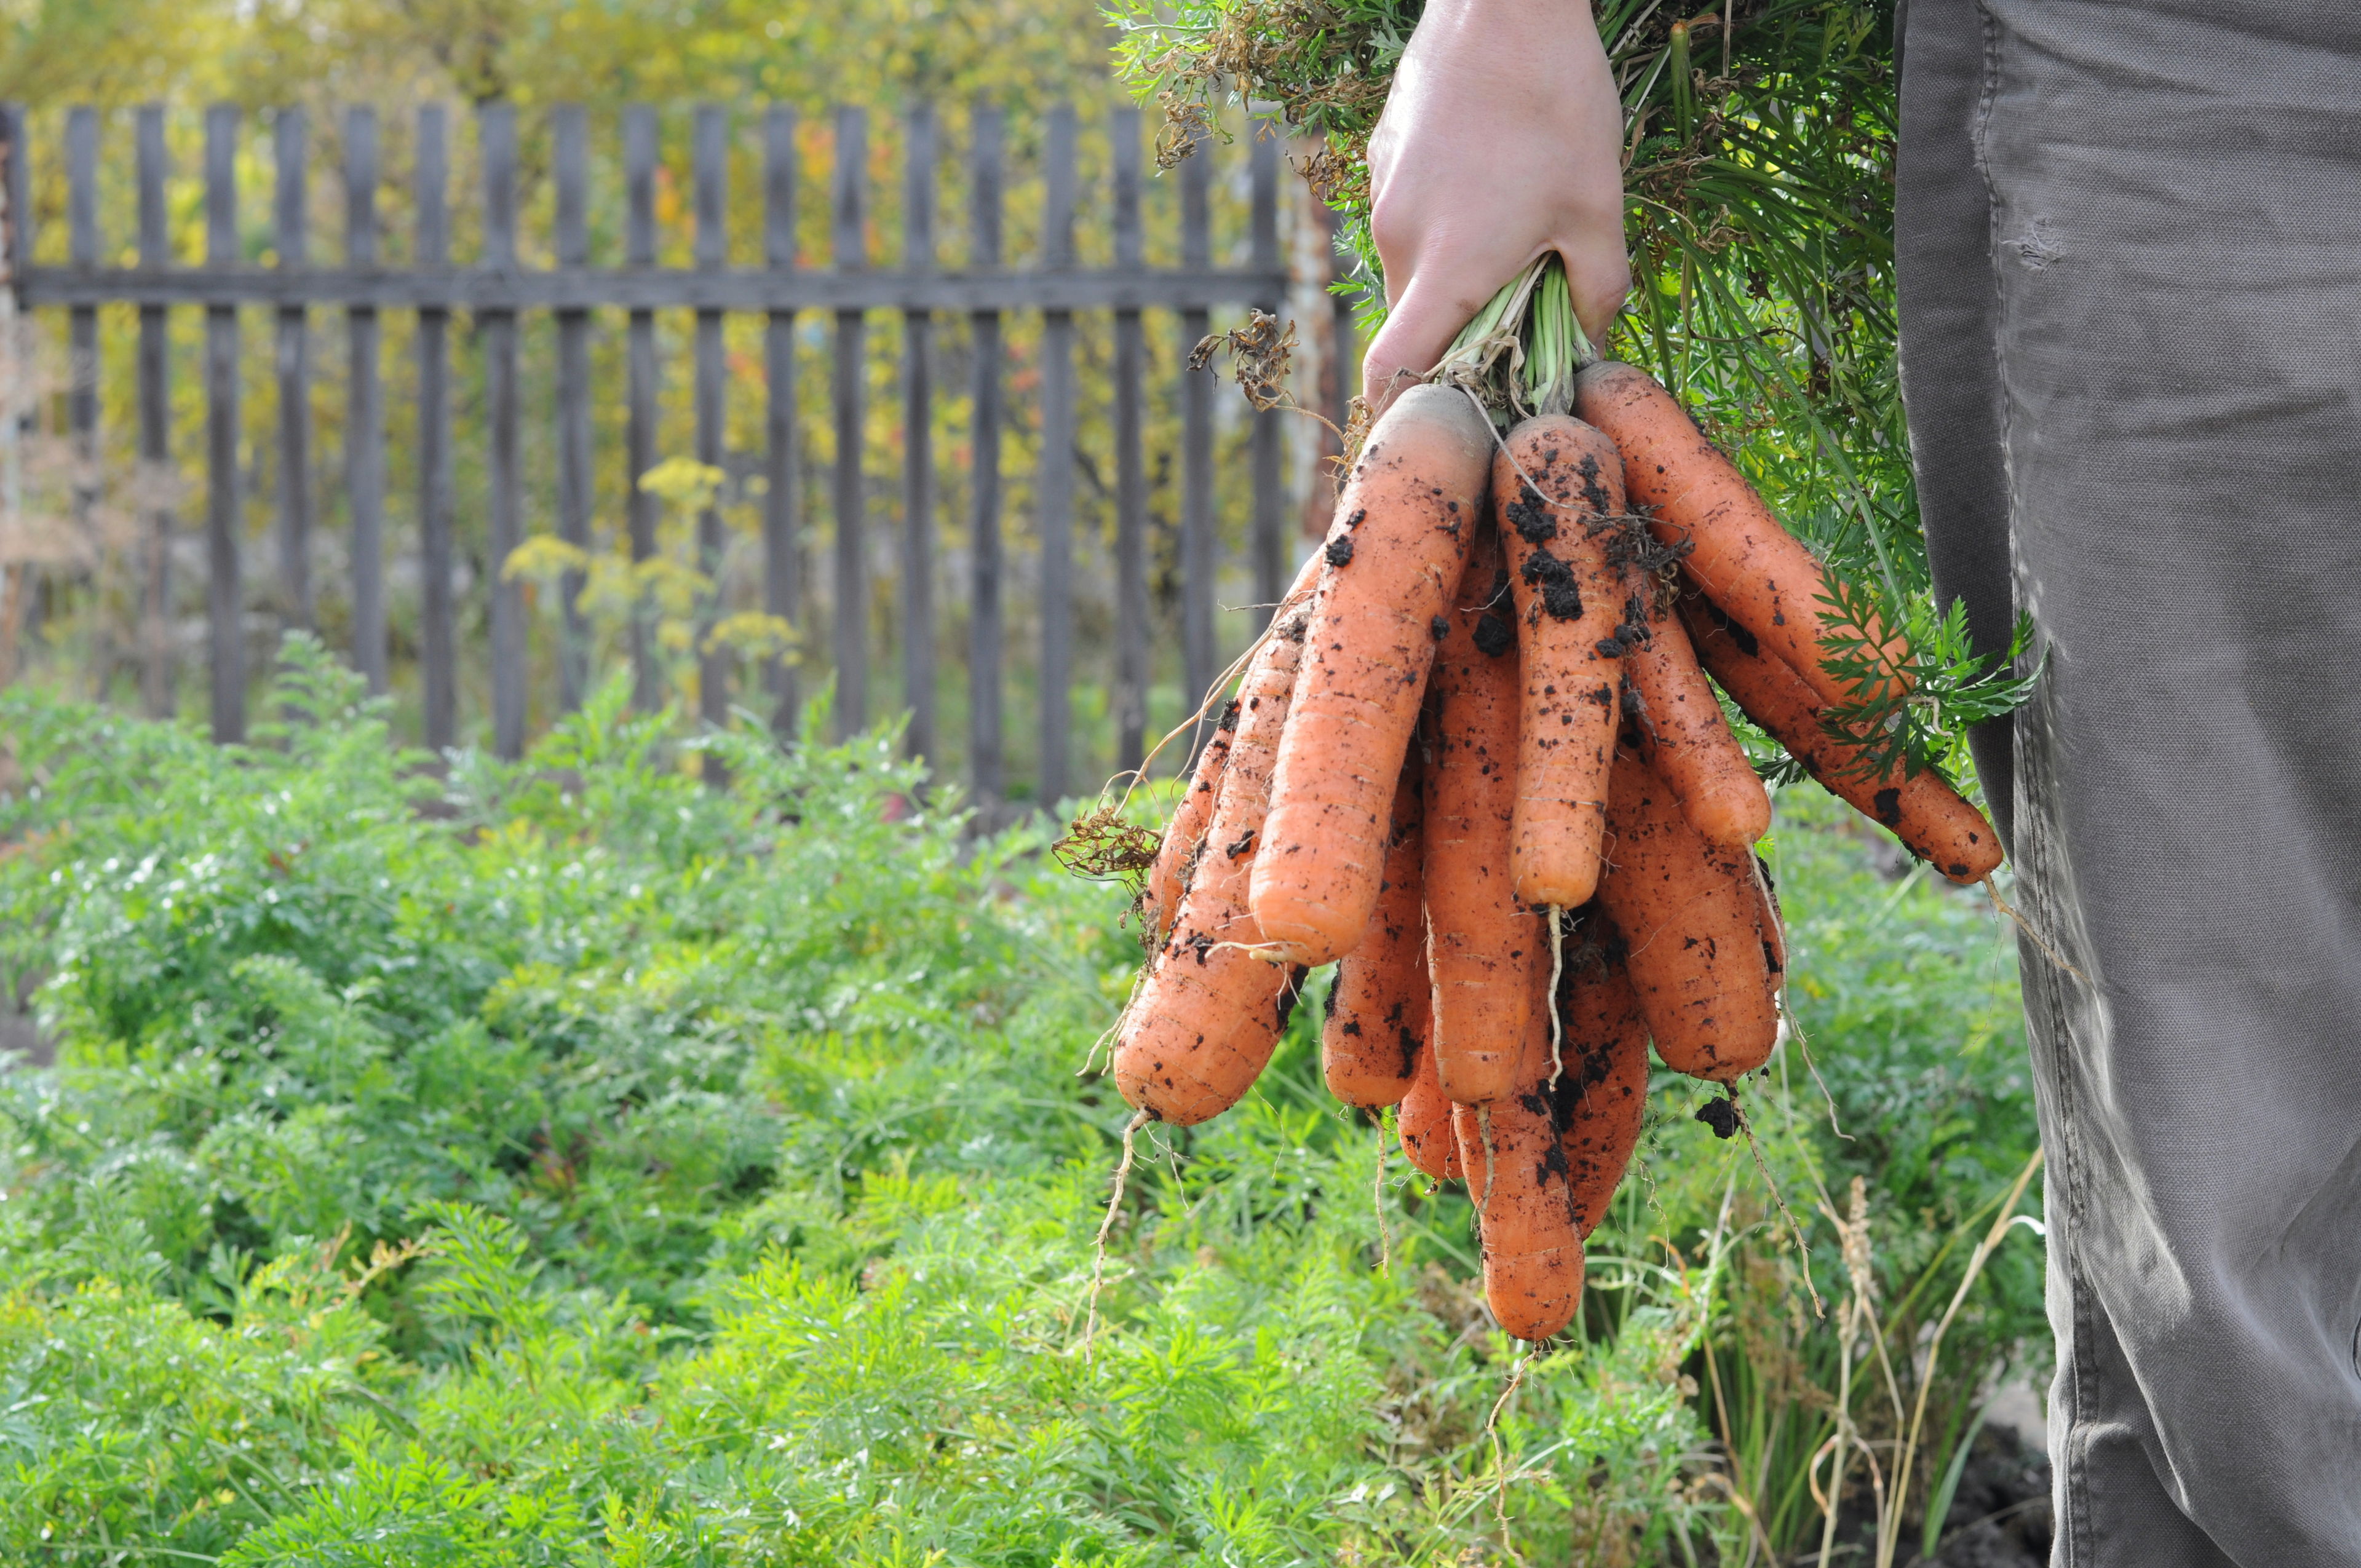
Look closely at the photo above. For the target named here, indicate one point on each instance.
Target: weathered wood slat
(496, 148)
(81, 244)
(291, 237)
(783, 493)
(915, 609)
(1053, 487)
(225, 507)
(1198, 563)
(985, 741)
(155, 664)
(641, 390)
(709, 168)
(438, 628)
(1131, 646)
(571, 169)
(653, 288)
(849, 251)
(1265, 457)
(364, 408)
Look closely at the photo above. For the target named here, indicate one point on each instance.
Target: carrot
(1203, 1023)
(1517, 1174)
(1424, 1123)
(1185, 834)
(1602, 1096)
(1380, 1004)
(1393, 559)
(1554, 480)
(1482, 946)
(1773, 924)
(1743, 559)
(1682, 733)
(1931, 819)
(1695, 953)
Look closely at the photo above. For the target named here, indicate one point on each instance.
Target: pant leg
(2169, 345)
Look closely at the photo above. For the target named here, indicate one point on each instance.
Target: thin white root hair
(1098, 1247)
(1492, 1159)
(2053, 954)
(1746, 1125)
(1500, 1459)
(1557, 973)
(1377, 1199)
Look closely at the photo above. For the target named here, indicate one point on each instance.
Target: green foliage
(570, 1162)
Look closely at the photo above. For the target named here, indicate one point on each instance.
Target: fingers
(1599, 278)
(1418, 329)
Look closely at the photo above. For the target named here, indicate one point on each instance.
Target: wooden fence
(495, 289)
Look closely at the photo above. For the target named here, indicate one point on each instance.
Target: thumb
(1418, 329)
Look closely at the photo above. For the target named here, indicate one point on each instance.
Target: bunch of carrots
(1477, 761)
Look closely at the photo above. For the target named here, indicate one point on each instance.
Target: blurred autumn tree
(258, 52)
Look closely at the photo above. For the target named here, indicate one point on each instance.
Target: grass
(569, 1163)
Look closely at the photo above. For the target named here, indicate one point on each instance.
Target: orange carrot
(1482, 946)
(1424, 1122)
(1202, 1026)
(1931, 819)
(1695, 952)
(1773, 924)
(1553, 482)
(1517, 1175)
(1381, 1004)
(1392, 560)
(1602, 1095)
(1184, 836)
(1682, 733)
(1743, 559)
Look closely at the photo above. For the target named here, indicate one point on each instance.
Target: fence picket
(1197, 543)
(156, 683)
(571, 170)
(783, 496)
(984, 719)
(1268, 524)
(915, 601)
(82, 239)
(364, 407)
(225, 502)
(292, 237)
(640, 353)
(709, 168)
(849, 251)
(1054, 484)
(496, 147)
(1131, 645)
(437, 628)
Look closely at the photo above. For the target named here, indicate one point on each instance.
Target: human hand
(1501, 139)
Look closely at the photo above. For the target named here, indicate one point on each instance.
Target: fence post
(572, 178)
(365, 407)
(850, 251)
(15, 245)
(156, 674)
(782, 495)
(1054, 486)
(1269, 541)
(1198, 557)
(81, 342)
(916, 606)
(985, 738)
(291, 217)
(496, 147)
(224, 511)
(639, 436)
(709, 160)
(438, 641)
(1131, 644)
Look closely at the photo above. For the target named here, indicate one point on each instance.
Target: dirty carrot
(1743, 559)
(1424, 1122)
(1681, 732)
(1516, 1170)
(1392, 560)
(1482, 944)
(1202, 1023)
(1773, 924)
(1602, 1097)
(1694, 950)
(1379, 1005)
(1556, 481)
(1931, 819)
